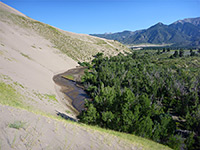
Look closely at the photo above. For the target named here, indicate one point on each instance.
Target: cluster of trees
(178, 53)
(137, 94)
(163, 50)
(181, 53)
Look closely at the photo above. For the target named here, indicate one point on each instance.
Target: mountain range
(182, 33)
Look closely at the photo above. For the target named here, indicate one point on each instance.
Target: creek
(74, 92)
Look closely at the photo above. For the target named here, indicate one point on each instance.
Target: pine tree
(181, 53)
(164, 50)
(175, 54)
(192, 53)
(158, 52)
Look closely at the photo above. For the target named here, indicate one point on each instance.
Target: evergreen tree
(181, 53)
(158, 52)
(192, 53)
(175, 54)
(164, 49)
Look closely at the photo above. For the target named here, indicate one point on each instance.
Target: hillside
(182, 33)
(33, 111)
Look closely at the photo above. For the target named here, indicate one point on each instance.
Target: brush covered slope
(31, 53)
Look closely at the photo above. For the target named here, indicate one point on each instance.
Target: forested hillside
(150, 94)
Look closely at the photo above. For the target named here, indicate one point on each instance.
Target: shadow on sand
(65, 116)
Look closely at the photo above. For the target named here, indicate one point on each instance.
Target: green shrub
(17, 125)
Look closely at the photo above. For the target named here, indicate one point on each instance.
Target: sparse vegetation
(33, 46)
(13, 141)
(75, 47)
(100, 42)
(28, 57)
(69, 77)
(17, 125)
(9, 96)
(18, 84)
(51, 97)
(135, 140)
(68, 112)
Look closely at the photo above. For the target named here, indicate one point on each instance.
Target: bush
(176, 142)
(17, 125)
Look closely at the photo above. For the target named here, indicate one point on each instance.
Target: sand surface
(39, 132)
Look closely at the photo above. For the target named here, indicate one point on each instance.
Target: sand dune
(30, 60)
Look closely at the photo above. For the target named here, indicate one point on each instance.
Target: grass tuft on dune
(9, 96)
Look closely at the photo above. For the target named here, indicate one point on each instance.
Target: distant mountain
(182, 33)
(194, 21)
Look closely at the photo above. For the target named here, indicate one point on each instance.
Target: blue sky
(100, 16)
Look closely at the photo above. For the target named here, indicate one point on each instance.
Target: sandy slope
(29, 59)
(39, 132)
